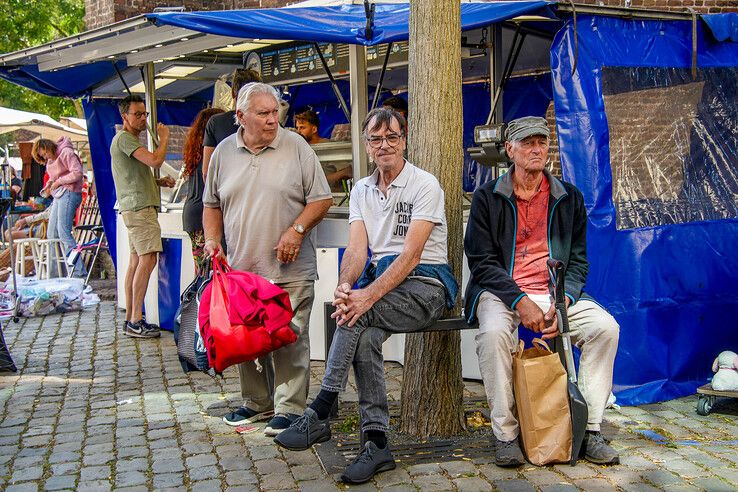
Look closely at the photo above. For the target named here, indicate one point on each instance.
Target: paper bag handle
(538, 342)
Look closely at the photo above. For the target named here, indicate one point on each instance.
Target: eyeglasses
(392, 139)
(139, 114)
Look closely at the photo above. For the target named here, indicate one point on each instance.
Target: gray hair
(248, 91)
(384, 117)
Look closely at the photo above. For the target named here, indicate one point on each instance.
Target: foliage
(24, 24)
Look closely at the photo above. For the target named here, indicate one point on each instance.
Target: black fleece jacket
(489, 242)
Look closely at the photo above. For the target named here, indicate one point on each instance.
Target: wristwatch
(299, 228)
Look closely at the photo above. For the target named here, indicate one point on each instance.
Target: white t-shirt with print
(413, 195)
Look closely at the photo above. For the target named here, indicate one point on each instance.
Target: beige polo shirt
(261, 194)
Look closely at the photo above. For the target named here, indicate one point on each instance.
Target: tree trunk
(432, 388)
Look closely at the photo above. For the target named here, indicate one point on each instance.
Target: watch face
(253, 61)
(299, 228)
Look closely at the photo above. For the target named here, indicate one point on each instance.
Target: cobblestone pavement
(92, 409)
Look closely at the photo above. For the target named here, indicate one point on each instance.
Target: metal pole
(359, 105)
(152, 120)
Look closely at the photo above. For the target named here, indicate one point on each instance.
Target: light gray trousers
(282, 382)
(593, 330)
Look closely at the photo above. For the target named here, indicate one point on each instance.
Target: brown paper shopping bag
(539, 383)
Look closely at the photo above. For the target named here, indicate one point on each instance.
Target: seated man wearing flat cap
(516, 223)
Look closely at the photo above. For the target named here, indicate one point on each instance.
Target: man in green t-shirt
(138, 200)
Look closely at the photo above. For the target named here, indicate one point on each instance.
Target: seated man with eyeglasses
(397, 212)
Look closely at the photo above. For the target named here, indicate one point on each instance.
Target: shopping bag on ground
(243, 317)
(542, 401)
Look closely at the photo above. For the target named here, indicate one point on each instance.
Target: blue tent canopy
(342, 24)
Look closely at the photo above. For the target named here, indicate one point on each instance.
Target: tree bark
(432, 388)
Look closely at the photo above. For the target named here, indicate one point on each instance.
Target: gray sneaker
(305, 431)
(596, 450)
(508, 453)
(140, 329)
(368, 463)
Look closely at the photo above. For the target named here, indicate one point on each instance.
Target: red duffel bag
(242, 317)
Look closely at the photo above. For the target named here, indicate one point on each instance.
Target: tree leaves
(24, 24)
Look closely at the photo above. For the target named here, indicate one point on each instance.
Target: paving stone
(639, 487)
(277, 481)
(515, 485)
(130, 478)
(168, 465)
(240, 477)
(325, 485)
(65, 468)
(134, 452)
(494, 472)
(402, 487)
(200, 460)
(235, 463)
(542, 476)
(424, 469)
(559, 487)
(135, 464)
(61, 482)
(97, 459)
(27, 473)
(595, 485)
(267, 467)
(312, 472)
(263, 452)
(457, 469)
(90, 473)
(203, 473)
(661, 478)
(94, 486)
(432, 482)
(472, 484)
(713, 484)
(168, 480)
(206, 486)
(22, 487)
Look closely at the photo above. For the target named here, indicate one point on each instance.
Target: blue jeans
(409, 307)
(61, 222)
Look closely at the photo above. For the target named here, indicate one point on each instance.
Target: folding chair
(95, 244)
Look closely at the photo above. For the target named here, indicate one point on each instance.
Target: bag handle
(220, 280)
(537, 342)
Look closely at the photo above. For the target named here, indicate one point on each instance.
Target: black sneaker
(596, 450)
(368, 463)
(140, 329)
(150, 325)
(305, 431)
(245, 415)
(279, 422)
(508, 453)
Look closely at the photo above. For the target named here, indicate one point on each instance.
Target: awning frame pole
(378, 89)
(334, 85)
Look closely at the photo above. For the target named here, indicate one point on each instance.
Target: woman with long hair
(65, 185)
(192, 212)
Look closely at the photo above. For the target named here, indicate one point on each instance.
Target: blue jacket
(440, 272)
(489, 242)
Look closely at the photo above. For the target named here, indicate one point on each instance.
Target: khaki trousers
(593, 330)
(281, 379)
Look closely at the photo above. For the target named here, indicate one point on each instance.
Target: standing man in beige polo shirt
(265, 191)
(138, 200)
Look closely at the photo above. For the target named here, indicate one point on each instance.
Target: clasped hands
(350, 304)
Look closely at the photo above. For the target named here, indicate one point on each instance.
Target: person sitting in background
(65, 185)
(192, 211)
(398, 104)
(30, 226)
(307, 124)
(16, 185)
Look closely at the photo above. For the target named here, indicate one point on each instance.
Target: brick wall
(700, 6)
(99, 13)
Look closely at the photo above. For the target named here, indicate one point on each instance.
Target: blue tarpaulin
(673, 288)
(341, 24)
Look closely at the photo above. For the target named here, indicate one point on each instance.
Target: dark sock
(323, 403)
(377, 437)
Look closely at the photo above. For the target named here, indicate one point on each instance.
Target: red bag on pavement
(243, 317)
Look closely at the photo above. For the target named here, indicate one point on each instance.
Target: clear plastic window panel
(673, 144)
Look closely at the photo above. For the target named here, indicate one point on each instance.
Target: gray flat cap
(521, 128)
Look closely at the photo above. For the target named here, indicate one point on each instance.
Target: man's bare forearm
(352, 264)
(212, 222)
(313, 213)
(394, 275)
